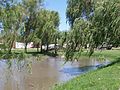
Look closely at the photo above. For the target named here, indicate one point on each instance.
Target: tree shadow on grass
(112, 63)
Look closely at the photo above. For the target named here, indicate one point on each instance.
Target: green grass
(31, 52)
(110, 54)
(102, 79)
(22, 50)
(19, 53)
(106, 54)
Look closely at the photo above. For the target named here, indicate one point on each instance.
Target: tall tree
(48, 23)
(106, 20)
(32, 7)
(12, 16)
(100, 25)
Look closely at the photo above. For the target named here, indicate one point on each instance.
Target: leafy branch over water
(19, 56)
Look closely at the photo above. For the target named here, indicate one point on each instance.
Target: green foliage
(78, 37)
(9, 56)
(106, 20)
(101, 25)
(62, 37)
(27, 21)
(11, 20)
(47, 26)
(78, 9)
(31, 13)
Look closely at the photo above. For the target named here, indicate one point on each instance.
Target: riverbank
(31, 52)
(102, 79)
(111, 55)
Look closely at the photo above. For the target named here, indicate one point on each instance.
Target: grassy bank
(102, 79)
(19, 53)
(106, 54)
(31, 52)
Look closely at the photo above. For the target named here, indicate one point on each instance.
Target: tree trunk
(38, 47)
(41, 48)
(47, 42)
(11, 45)
(26, 47)
(47, 47)
(55, 46)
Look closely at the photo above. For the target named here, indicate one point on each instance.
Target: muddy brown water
(41, 75)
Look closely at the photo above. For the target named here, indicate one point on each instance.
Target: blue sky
(60, 6)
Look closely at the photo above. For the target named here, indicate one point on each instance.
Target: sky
(60, 6)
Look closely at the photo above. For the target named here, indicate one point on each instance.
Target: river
(41, 75)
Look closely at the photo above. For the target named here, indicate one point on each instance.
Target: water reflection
(80, 70)
(12, 74)
(34, 75)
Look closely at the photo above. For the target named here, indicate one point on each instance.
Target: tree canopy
(77, 9)
(92, 23)
(29, 21)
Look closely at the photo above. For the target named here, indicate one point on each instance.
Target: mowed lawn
(109, 54)
(102, 79)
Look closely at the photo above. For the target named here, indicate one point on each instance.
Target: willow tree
(12, 15)
(78, 14)
(78, 38)
(47, 26)
(106, 21)
(77, 9)
(54, 33)
(98, 21)
(31, 9)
